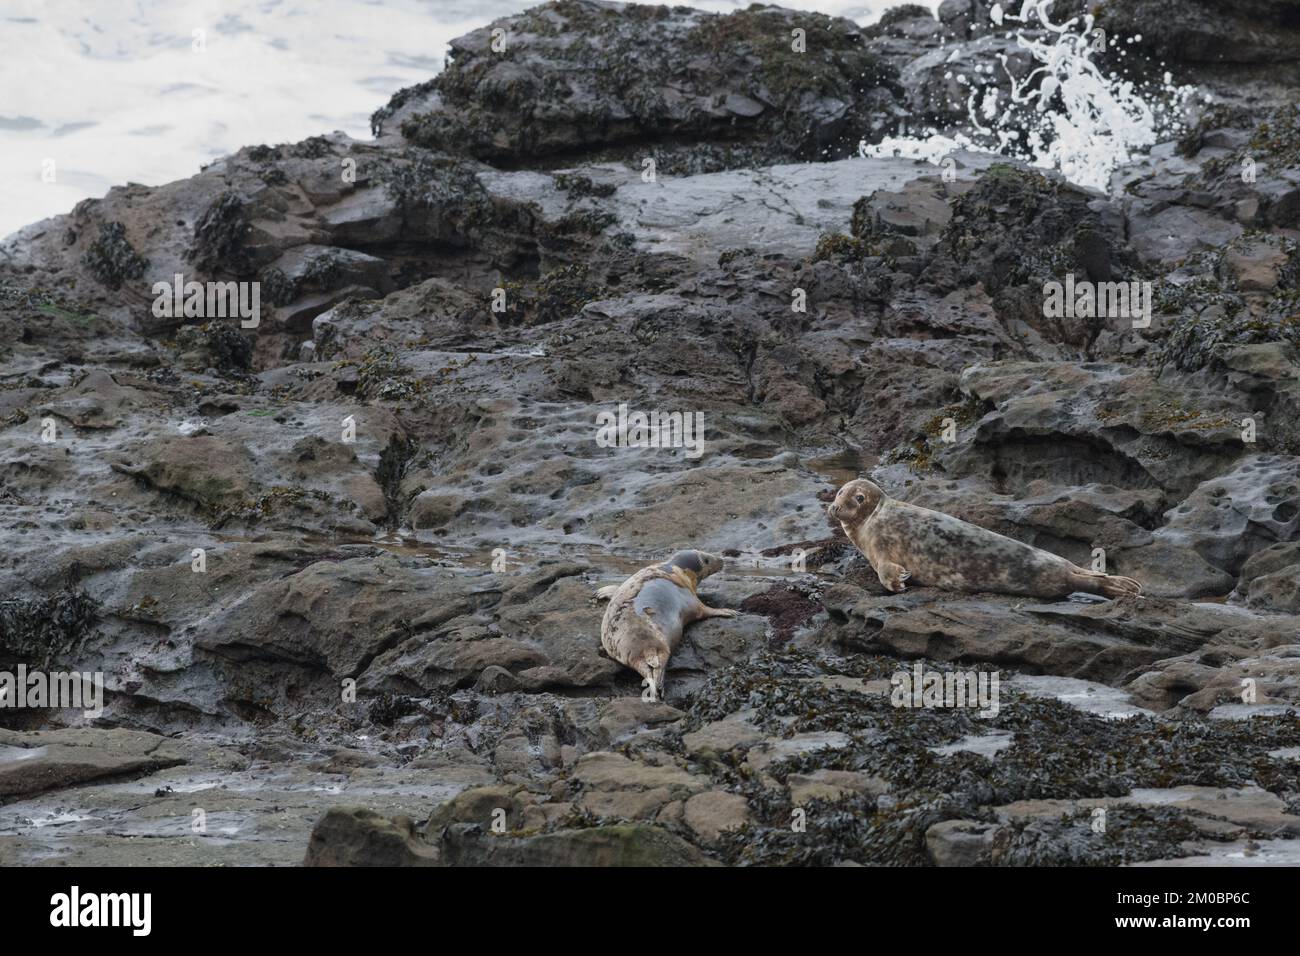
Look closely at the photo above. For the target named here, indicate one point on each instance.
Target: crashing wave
(1067, 114)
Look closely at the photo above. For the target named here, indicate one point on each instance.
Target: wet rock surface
(337, 569)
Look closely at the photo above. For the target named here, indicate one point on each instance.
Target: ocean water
(105, 92)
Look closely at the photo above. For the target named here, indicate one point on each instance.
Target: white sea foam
(1075, 118)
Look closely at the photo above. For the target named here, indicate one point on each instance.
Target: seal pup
(648, 612)
(905, 542)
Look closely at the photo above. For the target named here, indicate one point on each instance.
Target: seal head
(855, 502)
(692, 567)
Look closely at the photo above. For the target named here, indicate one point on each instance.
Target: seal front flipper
(892, 576)
(607, 592)
(706, 611)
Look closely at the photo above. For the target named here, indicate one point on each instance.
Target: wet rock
(54, 760)
(941, 82)
(210, 472)
(406, 619)
(696, 76)
(1279, 591)
(629, 805)
(1035, 637)
(612, 771)
(721, 736)
(1119, 426)
(1229, 518)
(961, 843)
(332, 618)
(623, 717)
(708, 814)
(833, 785)
(485, 806)
(356, 836)
(622, 845)
(1225, 675)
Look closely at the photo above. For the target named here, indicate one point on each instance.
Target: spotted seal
(907, 543)
(648, 612)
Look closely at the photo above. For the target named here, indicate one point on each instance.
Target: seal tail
(653, 684)
(1107, 585)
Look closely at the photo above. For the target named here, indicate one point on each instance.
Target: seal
(904, 542)
(648, 612)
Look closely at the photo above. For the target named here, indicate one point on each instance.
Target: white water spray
(1066, 114)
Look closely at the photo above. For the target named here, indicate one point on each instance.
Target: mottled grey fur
(907, 543)
(648, 612)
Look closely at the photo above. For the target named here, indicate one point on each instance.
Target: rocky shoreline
(337, 570)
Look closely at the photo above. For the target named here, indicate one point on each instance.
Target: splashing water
(1066, 114)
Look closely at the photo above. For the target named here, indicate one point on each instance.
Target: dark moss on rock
(1131, 834)
(111, 259)
(579, 76)
(439, 186)
(787, 608)
(219, 345)
(221, 236)
(1206, 311)
(558, 294)
(44, 630)
(326, 271)
(1018, 226)
(578, 185)
(382, 376)
(394, 461)
(277, 288)
(1056, 752)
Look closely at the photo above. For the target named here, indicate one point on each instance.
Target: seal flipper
(1107, 585)
(706, 611)
(892, 576)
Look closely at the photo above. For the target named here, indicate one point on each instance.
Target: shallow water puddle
(1086, 695)
(14, 754)
(1246, 711)
(843, 466)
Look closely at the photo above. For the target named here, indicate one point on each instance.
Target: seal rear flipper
(1107, 585)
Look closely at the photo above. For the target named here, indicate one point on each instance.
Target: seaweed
(42, 630)
(111, 259)
(221, 346)
(438, 184)
(393, 463)
(221, 236)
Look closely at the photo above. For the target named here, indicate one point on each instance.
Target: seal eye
(860, 498)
